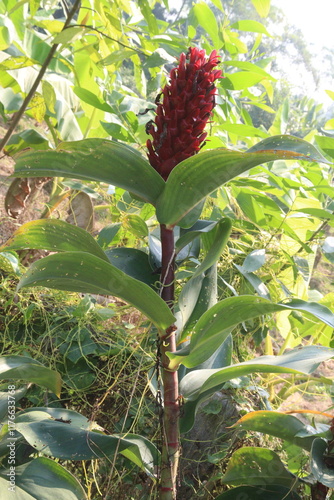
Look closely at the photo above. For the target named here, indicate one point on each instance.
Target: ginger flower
(185, 106)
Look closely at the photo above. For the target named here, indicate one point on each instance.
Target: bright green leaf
(252, 26)
(262, 7)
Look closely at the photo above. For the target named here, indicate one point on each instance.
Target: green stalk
(171, 412)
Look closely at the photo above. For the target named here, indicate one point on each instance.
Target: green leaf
(321, 471)
(54, 235)
(70, 441)
(87, 96)
(29, 370)
(272, 492)
(28, 138)
(207, 19)
(283, 426)
(253, 261)
(326, 144)
(252, 26)
(193, 179)
(219, 236)
(250, 465)
(134, 263)
(86, 273)
(241, 80)
(215, 324)
(262, 7)
(136, 225)
(196, 230)
(94, 159)
(41, 479)
(198, 385)
(70, 34)
(196, 297)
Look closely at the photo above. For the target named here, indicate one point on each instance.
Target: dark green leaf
(70, 441)
(54, 235)
(193, 179)
(86, 273)
(94, 159)
(272, 492)
(41, 479)
(134, 263)
(29, 370)
(250, 465)
(283, 426)
(215, 324)
(323, 472)
(198, 385)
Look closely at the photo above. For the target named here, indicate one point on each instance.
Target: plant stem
(171, 413)
(17, 117)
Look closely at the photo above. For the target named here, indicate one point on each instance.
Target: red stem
(171, 443)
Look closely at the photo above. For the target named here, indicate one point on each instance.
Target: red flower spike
(185, 108)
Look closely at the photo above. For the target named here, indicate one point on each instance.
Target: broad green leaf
(281, 425)
(193, 179)
(250, 465)
(215, 324)
(219, 236)
(262, 7)
(253, 261)
(272, 492)
(207, 19)
(41, 479)
(107, 234)
(241, 80)
(94, 159)
(326, 144)
(320, 469)
(54, 235)
(69, 441)
(198, 385)
(29, 370)
(136, 225)
(243, 130)
(28, 138)
(252, 26)
(86, 273)
(92, 99)
(134, 263)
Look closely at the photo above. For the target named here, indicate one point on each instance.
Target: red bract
(186, 105)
